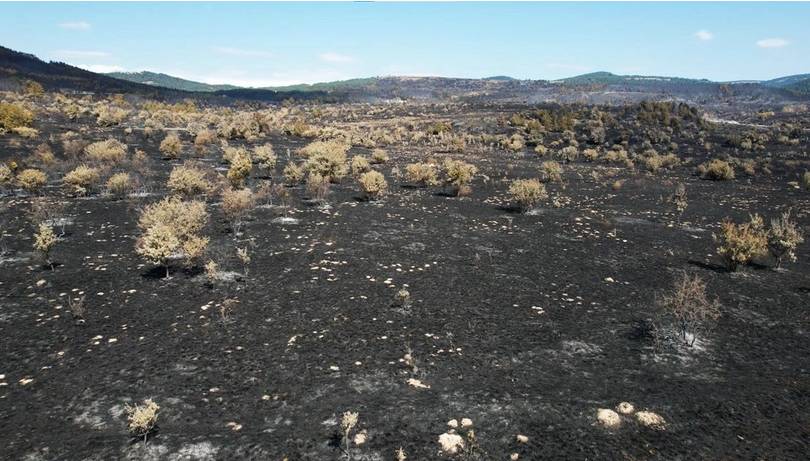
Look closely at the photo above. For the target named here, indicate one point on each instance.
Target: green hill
(167, 81)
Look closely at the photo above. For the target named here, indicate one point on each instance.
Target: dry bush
(458, 174)
(359, 165)
(293, 174)
(111, 115)
(590, 155)
(171, 147)
(172, 227)
(44, 241)
(188, 181)
(740, 243)
(686, 311)
(32, 88)
(243, 125)
(784, 236)
(527, 192)
(618, 155)
(551, 171)
(541, 150)
(373, 184)
(32, 180)
(567, 154)
(240, 168)
(14, 116)
(716, 169)
(236, 205)
(142, 419)
(120, 185)
(422, 174)
(679, 199)
(107, 151)
(6, 176)
(43, 156)
(265, 156)
(515, 143)
(203, 139)
(379, 156)
(806, 180)
(25, 132)
(326, 158)
(72, 146)
(317, 187)
(82, 179)
(655, 162)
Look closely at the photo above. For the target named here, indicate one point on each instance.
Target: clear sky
(262, 44)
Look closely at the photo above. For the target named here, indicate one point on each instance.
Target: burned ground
(524, 323)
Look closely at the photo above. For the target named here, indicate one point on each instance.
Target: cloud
(229, 51)
(335, 58)
(80, 54)
(704, 35)
(101, 68)
(772, 43)
(75, 25)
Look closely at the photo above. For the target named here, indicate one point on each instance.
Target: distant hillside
(16, 67)
(167, 81)
(354, 83)
(801, 87)
(607, 78)
(785, 82)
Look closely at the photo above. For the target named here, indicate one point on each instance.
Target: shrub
(110, 150)
(236, 205)
(515, 143)
(740, 243)
(6, 175)
(241, 164)
(25, 132)
(359, 165)
(656, 162)
(527, 192)
(458, 174)
(317, 187)
(716, 170)
(142, 419)
(44, 241)
(265, 156)
(379, 156)
(120, 184)
(188, 180)
(806, 180)
(171, 146)
(783, 238)
(567, 154)
(422, 174)
(111, 115)
(679, 199)
(43, 155)
(618, 156)
(32, 180)
(203, 139)
(326, 158)
(551, 171)
(687, 311)
(32, 88)
(14, 116)
(169, 227)
(82, 179)
(590, 154)
(293, 174)
(373, 184)
(541, 150)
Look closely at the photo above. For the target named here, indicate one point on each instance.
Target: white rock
(608, 418)
(466, 422)
(452, 423)
(522, 438)
(625, 408)
(451, 443)
(650, 419)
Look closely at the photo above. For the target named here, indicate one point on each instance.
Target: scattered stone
(625, 408)
(418, 384)
(514, 457)
(522, 438)
(650, 419)
(451, 443)
(360, 438)
(234, 426)
(466, 422)
(452, 423)
(26, 381)
(608, 418)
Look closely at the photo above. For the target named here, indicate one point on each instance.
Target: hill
(168, 81)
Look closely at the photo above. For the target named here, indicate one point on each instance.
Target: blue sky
(262, 44)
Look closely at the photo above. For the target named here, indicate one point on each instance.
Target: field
(424, 304)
